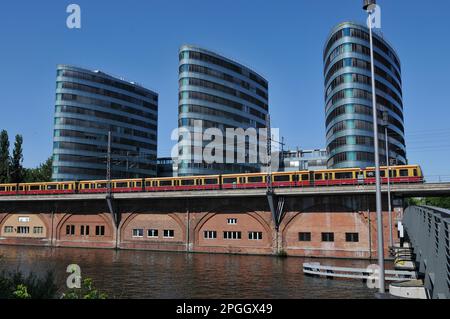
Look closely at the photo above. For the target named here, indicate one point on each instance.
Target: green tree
(87, 291)
(43, 173)
(4, 157)
(21, 292)
(16, 170)
(441, 202)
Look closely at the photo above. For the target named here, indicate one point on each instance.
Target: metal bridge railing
(428, 230)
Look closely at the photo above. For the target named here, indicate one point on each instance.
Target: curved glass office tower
(216, 92)
(89, 104)
(348, 98)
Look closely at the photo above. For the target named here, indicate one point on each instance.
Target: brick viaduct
(241, 224)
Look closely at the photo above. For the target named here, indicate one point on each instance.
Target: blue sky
(282, 40)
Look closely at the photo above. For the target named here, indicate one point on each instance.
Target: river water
(145, 274)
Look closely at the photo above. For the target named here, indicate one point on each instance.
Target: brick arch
(254, 215)
(313, 208)
(124, 224)
(67, 216)
(44, 221)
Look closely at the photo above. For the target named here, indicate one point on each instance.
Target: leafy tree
(441, 202)
(87, 291)
(16, 285)
(22, 292)
(43, 173)
(16, 170)
(4, 157)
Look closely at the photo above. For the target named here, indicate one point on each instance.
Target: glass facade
(348, 98)
(89, 104)
(222, 94)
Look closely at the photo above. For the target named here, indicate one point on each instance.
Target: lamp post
(370, 6)
(386, 124)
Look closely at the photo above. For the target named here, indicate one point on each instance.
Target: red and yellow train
(329, 177)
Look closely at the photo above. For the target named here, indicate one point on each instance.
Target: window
(255, 179)
(403, 172)
(152, 233)
(282, 178)
(169, 233)
(84, 231)
(24, 219)
(70, 230)
(232, 235)
(347, 175)
(210, 234)
(352, 237)
(138, 232)
(254, 235)
(23, 230)
(232, 221)
(99, 230)
(229, 180)
(9, 229)
(38, 230)
(328, 237)
(304, 236)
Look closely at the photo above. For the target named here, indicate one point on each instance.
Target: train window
(138, 184)
(52, 187)
(122, 185)
(415, 172)
(370, 174)
(393, 174)
(187, 182)
(13, 188)
(232, 180)
(210, 181)
(165, 183)
(382, 173)
(403, 172)
(101, 185)
(66, 186)
(345, 175)
(255, 179)
(282, 178)
(305, 177)
(318, 177)
(2, 188)
(35, 187)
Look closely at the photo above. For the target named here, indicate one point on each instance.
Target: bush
(15, 285)
(87, 291)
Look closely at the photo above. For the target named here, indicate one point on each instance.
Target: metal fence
(428, 230)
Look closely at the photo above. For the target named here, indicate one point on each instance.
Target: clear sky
(280, 39)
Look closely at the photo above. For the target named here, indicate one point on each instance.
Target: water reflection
(143, 274)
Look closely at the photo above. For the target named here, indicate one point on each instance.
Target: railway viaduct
(317, 222)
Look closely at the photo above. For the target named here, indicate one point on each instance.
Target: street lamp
(370, 6)
(386, 124)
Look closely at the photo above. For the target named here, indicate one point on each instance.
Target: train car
(117, 186)
(397, 174)
(46, 188)
(8, 189)
(333, 177)
(182, 183)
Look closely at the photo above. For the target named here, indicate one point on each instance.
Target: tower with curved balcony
(216, 92)
(89, 105)
(348, 98)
